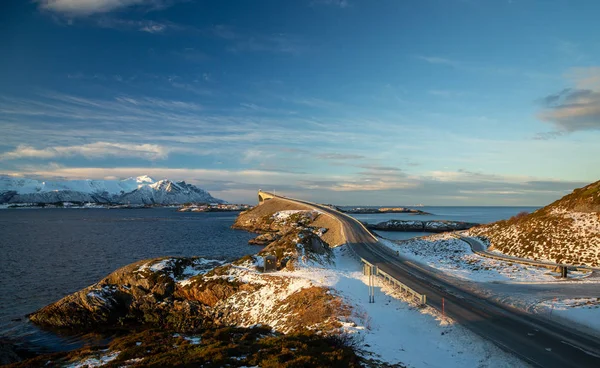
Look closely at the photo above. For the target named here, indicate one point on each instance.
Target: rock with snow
(140, 190)
(434, 226)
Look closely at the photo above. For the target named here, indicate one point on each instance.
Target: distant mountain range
(140, 190)
(566, 231)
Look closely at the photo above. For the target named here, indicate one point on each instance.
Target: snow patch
(454, 257)
(95, 361)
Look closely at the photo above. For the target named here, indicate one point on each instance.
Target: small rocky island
(434, 226)
(215, 207)
(364, 210)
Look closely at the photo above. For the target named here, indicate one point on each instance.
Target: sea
(47, 254)
(480, 215)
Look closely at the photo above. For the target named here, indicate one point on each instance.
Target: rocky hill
(140, 190)
(566, 231)
(187, 294)
(275, 217)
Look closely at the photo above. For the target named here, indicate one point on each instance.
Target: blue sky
(440, 102)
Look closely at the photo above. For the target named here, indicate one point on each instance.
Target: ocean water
(47, 254)
(481, 215)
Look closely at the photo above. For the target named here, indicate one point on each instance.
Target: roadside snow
(454, 257)
(393, 330)
(584, 311)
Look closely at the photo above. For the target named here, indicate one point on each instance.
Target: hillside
(566, 231)
(140, 190)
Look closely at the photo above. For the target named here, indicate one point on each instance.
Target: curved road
(479, 248)
(536, 340)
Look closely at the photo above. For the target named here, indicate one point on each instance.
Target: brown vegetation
(566, 231)
(259, 219)
(219, 347)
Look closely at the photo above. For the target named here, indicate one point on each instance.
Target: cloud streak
(82, 8)
(432, 188)
(92, 150)
(246, 41)
(575, 109)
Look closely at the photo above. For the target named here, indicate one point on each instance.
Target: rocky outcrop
(363, 210)
(265, 239)
(276, 217)
(435, 226)
(142, 292)
(566, 231)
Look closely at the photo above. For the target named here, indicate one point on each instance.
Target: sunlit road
(536, 340)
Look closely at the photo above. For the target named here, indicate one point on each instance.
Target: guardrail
(549, 265)
(373, 270)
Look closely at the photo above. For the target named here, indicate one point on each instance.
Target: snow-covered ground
(584, 311)
(391, 329)
(96, 360)
(199, 266)
(284, 215)
(454, 257)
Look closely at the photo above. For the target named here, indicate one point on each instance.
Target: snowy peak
(138, 190)
(145, 179)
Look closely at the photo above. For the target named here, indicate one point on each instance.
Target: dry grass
(566, 231)
(216, 347)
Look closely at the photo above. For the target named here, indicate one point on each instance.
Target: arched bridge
(264, 196)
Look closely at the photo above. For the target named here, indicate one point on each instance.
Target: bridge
(264, 196)
(539, 341)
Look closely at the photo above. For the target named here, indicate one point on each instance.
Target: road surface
(536, 340)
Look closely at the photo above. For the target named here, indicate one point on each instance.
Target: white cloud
(87, 7)
(336, 3)
(439, 60)
(153, 28)
(143, 25)
(92, 150)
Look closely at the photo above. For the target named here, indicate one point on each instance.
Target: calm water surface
(480, 215)
(49, 253)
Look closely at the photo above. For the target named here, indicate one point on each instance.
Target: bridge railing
(418, 298)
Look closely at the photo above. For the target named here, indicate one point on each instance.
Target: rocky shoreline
(196, 298)
(433, 226)
(366, 211)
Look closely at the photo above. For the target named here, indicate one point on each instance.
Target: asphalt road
(536, 340)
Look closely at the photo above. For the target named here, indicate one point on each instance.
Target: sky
(386, 102)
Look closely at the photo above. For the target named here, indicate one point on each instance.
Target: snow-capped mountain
(140, 190)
